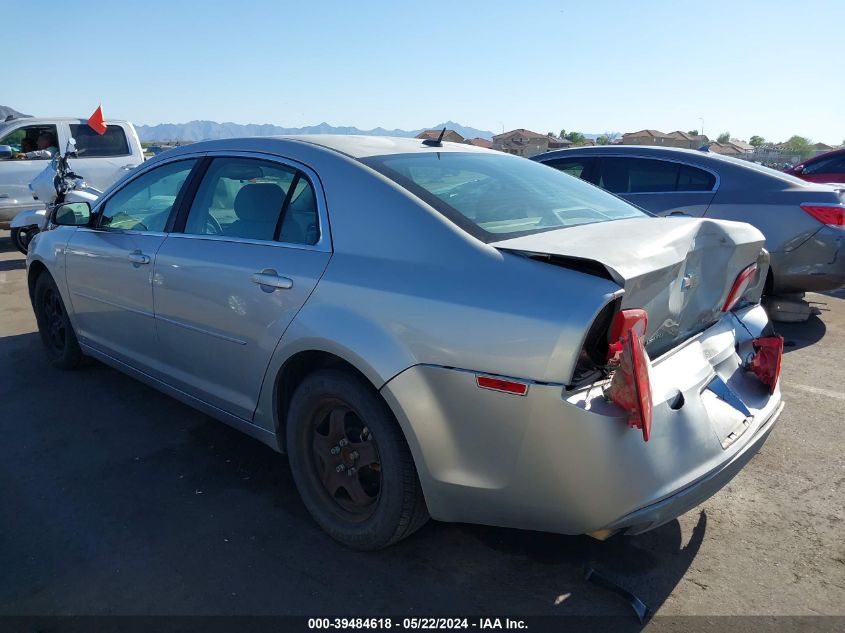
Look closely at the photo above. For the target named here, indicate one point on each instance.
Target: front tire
(22, 237)
(54, 326)
(351, 463)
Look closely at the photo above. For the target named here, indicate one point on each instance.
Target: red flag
(97, 122)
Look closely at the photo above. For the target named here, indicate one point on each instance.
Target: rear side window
(255, 199)
(89, 144)
(643, 175)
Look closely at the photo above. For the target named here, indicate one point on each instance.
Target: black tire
(54, 326)
(393, 506)
(22, 237)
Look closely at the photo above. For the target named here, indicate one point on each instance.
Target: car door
(234, 273)
(657, 185)
(101, 159)
(17, 173)
(109, 266)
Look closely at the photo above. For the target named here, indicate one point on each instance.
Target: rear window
(495, 196)
(89, 144)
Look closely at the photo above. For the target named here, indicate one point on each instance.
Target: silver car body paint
(420, 307)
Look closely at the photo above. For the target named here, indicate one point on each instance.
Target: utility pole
(702, 125)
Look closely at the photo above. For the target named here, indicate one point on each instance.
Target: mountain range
(203, 130)
(6, 111)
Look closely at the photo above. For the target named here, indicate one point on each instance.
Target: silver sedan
(426, 329)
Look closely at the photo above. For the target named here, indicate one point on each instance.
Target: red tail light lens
(499, 384)
(768, 353)
(630, 387)
(625, 321)
(739, 287)
(830, 214)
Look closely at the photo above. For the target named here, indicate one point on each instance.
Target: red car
(828, 167)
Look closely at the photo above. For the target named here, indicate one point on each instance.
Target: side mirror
(72, 214)
(798, 169)
(6, 152)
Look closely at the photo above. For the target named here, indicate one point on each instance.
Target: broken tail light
(765, 363)
(625, 321)
(630, 387)
(739, 287)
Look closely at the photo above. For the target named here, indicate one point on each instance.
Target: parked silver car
(804, 223)
(426, 329)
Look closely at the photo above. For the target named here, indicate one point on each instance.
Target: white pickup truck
(101, 160)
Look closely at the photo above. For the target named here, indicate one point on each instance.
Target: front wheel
(351, 463)
(54, 325)
(22, 237)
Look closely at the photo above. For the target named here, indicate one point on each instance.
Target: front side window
(573, 166)
(145, 203)
(32, 142)
(832, 165)
(254, 199)
(495, 196)
(89, 144)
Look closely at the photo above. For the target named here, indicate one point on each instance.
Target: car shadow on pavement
(799, 335)
(6, 246)
(7, 265)
(145, 506)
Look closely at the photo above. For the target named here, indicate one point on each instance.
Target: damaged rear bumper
(566, 462)
(698, 492)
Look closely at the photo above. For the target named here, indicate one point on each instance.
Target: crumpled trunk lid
(680, 270)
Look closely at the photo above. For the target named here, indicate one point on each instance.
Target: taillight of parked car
(765, 363)
(740, 286)
(830, 214)
(630, 386)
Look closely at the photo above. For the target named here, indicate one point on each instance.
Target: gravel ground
(118, 500)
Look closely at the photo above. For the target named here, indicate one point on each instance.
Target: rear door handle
(137, 257)
(271, 279)
(4, 195)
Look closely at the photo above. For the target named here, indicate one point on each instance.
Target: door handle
(269, 278)
(137, 257)
(4, 195)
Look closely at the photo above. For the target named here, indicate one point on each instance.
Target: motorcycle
(55, 185)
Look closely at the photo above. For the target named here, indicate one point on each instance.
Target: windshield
(495, 196)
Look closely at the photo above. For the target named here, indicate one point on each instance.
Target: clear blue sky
(767, 67)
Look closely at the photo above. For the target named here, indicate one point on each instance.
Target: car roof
(355, 146)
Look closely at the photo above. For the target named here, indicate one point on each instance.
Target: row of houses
(522, 142)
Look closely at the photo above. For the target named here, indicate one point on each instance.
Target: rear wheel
(54, 325)
(351, 463)
(22, 236)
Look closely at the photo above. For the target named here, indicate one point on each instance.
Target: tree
(800, 145)
(693, 132)
(576, 137)
(604, 139)
(757, 141)
(562, 134)
(724, 137)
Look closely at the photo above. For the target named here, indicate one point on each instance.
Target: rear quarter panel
(406, 287)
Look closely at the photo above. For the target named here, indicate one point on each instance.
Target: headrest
(259, 202)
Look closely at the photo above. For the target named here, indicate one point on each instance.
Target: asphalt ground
(116, 499)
